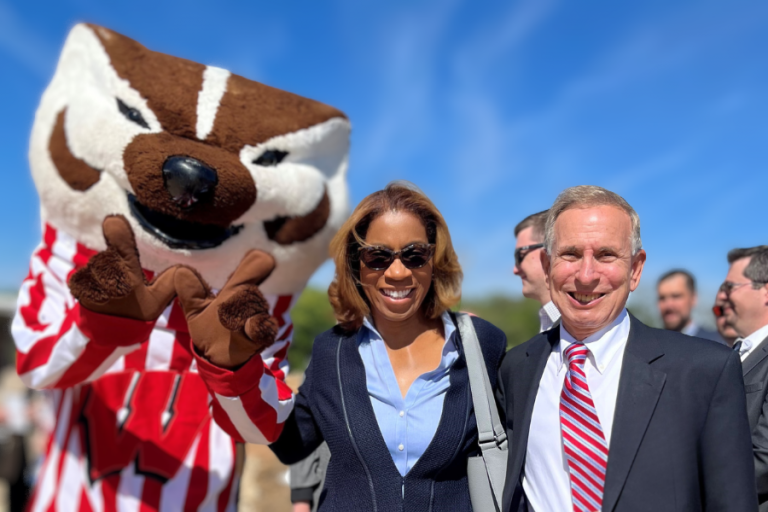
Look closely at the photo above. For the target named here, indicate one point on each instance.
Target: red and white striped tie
(583, 439)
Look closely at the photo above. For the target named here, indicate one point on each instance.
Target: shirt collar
(602, 345)
(754, 339)
(548, 315)
(448, 328)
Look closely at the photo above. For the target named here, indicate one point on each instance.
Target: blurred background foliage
(517, 317)
(313, 314)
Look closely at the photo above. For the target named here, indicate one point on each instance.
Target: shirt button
(401, 447)
(402, 413)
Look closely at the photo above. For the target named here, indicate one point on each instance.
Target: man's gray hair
(757, 268)
(586, 196)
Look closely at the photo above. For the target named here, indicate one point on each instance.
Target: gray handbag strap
(491, 432)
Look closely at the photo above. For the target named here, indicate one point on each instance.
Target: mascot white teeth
(184, 208)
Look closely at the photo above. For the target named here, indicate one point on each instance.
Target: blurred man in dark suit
(677, 297)
(605, 413)
(744, 295)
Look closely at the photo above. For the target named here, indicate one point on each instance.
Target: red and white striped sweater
(142, 422)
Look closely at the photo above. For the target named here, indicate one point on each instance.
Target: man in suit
(677, 297)
(605, 413)
(530, 242)
(744, 296)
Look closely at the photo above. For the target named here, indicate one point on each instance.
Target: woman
(388, 388)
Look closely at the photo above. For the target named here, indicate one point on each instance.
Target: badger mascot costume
(184, 208)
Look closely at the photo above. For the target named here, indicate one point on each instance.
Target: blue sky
(492, 108)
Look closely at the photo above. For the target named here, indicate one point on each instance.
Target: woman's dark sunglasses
(380, 258)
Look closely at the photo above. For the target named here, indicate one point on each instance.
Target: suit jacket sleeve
(501, 399)
(727, 467)
(760, 445)
(300, 435)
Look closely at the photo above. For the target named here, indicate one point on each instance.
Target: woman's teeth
(586, 298)
(396, 294)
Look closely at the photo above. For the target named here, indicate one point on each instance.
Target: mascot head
(204, 164)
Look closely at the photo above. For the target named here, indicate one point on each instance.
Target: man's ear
(544, 258)
(638, 261)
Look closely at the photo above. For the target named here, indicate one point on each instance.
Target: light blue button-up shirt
(407, 424)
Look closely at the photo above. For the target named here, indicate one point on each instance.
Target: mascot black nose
(188, 180)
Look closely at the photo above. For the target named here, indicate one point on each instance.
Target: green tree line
(518, 318)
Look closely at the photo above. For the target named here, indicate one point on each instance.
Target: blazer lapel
(639, 390)
(753, 359)
(530, 372)
(360, 417)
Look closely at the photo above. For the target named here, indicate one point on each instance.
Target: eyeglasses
(522, 252)
(380, 258)
(728, 286)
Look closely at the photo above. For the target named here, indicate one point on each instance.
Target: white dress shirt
(548, 316)
(546, 479)
(750, 343)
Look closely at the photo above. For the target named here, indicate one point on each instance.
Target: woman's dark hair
(346, 295)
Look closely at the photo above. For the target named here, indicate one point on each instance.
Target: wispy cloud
(24, 44)
(482, 53)
(485, 152)
(624, 180)
(501, 145)
(406, 61)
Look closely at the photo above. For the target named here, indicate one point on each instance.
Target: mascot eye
(132, 114)
(271, 157)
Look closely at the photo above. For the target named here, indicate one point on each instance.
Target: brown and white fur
(87, 155)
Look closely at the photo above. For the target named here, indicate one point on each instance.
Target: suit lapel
(530, 372)
(639, 390)
(753, 359)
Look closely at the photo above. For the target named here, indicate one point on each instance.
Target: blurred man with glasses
(530, 241)
(744, 299)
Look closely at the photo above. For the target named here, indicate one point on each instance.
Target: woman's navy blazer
(333, 405)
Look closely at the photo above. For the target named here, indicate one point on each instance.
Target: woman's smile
(397, 295)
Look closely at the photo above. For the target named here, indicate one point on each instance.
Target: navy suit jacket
(680, 438)
(333, 405)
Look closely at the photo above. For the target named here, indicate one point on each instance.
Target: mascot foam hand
(112, 283)
(231, 327)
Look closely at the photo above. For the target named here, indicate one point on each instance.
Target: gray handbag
(486, 472)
